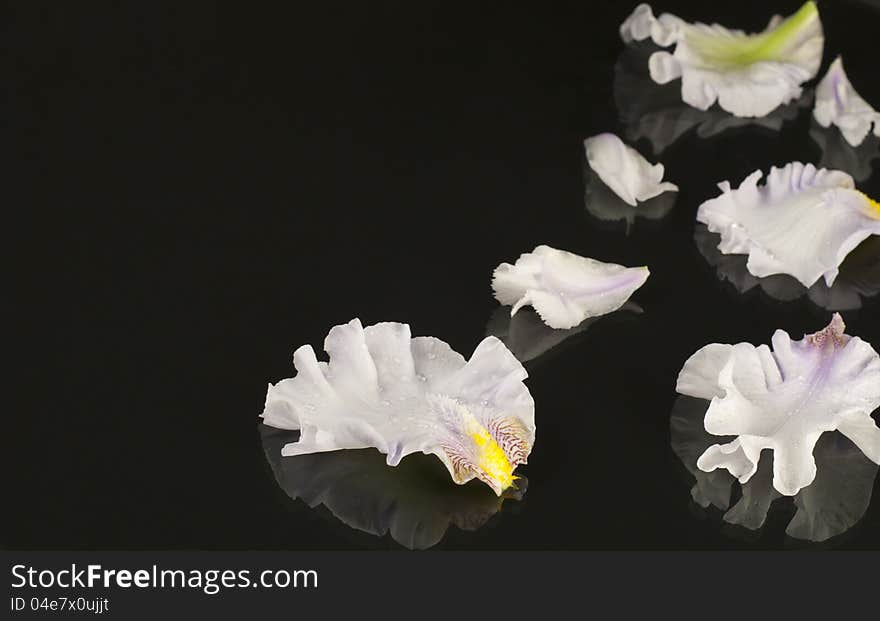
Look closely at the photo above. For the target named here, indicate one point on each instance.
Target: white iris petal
(803, 222)
(838, 103)
(624, 170)
(386, 390)
(784, 400)
(749, 75)
(564, 288)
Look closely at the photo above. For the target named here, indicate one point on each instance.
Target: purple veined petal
(784, 399)
(564, 288)
(838, 103)
(384, 389)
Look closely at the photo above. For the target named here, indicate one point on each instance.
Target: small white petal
(784, 400)
(802, 222)
(386, 390)
(565, 288)
(624, 170)
(748, 75)
(838, 103)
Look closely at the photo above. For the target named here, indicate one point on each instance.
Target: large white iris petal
(401, 395)
(802, 222)
(564, 288)
(784, 400)
(748, 75)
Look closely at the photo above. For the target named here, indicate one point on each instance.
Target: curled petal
(749, 75)
(384, 389)
(565, 288)
(838, 104)
(624, 170)
(802, 222)
(784, 400)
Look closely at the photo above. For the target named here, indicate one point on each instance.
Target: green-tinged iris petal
(770, 45)
(749, 75)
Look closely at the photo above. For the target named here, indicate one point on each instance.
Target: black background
(195, 191)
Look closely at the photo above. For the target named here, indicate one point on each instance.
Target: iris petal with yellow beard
(384, 389)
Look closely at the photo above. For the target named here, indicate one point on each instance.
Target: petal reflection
(603, 204)
(830, 506)
(838, 154)
(858, 280)
(657, 113)
(838, 104)
(529, 338)
(415, 502)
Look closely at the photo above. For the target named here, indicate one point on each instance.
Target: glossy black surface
(196, 192)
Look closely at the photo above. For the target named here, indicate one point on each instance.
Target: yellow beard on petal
(874, 205)
(484, 457)
(491, 458)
